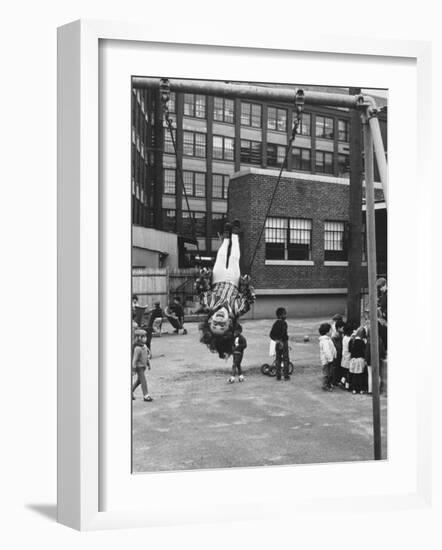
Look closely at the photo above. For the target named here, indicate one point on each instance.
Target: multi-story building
(215, 138)
(218, 140)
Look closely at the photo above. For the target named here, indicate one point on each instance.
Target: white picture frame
(80, 446)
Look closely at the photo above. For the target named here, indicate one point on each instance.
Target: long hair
(222, 344)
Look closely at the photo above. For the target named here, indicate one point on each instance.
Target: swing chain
(165, 98)
(299, 107)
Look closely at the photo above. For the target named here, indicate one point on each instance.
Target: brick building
(301, 260)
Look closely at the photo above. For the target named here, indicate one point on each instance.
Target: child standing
(337, 336)
(279, 335)
(346, 356)
(141, 361)
(327, 353)
(357, 362)
(239, 345)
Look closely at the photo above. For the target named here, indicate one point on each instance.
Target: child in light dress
(346, 356)
(357, 368)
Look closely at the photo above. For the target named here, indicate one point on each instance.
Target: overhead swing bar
(250, 91)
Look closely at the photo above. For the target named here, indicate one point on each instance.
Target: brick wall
(249, 197)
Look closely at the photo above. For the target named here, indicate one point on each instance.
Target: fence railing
(153, 284)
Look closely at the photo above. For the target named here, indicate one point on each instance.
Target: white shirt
(327, 350)
(346, 355)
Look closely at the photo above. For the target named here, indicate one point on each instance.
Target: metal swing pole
(379, 150)
(371, 256)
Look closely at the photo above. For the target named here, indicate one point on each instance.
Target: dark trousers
(358, 381)
(327, 374)
(282, 356)
(237, 358)
(141, 380)
(338, 373)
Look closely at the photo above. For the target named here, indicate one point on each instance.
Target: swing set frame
(373, 148)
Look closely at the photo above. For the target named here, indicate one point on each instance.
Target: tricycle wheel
(265, 369)
(272, 370)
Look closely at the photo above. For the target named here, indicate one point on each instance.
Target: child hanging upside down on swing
(224, 295)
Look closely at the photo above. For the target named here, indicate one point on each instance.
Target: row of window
(285, 238)
(193, 223)
(195, 183)
(194, 145)
(251, 116)
(291, 239)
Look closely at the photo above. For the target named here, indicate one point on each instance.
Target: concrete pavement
(198, 420)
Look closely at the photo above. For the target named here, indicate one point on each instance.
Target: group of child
(345, 356)
(343, 349)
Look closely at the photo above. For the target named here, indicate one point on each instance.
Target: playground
(197, 420)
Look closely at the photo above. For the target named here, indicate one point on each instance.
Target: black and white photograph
(259, 274)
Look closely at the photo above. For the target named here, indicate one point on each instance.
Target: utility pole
(355, 217)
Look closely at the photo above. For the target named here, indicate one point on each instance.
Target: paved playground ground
(199, 420)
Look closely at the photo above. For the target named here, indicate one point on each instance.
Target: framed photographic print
(222, 258)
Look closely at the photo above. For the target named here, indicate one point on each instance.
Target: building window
(343, 130)
(195, 105)
(217, 225)
(300, 239)
(168, 144)
(302, 159)
(276, 238)
(194, 144)
(223, 148)
(275, 154)
(194, 183)
(223, 110)
(334, 241)
(324, 127)
(251, 115)
(277, 119)
(169, 220)
(251, 152)
(220, 186)
(324, 162)
(169, 181)
(288, 239)
(199, 184)
(343, 165)
(195, 223)
(172, 102)
(305, 126)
